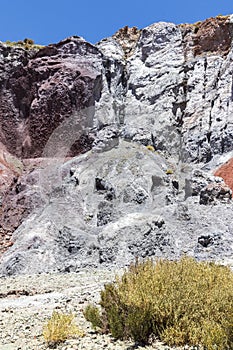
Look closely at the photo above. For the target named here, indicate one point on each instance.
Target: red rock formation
(39, 90)
(127, 38)
(10, 169)
(226, 172)
(213, 35)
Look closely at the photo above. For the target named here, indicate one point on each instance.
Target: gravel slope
(27, 301)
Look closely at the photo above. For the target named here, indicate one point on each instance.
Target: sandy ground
(26, 302)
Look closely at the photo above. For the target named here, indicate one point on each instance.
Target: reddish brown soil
(226, 172)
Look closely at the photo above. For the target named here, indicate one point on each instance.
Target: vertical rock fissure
(205, 78)
(232, 86)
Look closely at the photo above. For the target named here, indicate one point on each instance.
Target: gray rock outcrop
(111, 207)
(151, 110)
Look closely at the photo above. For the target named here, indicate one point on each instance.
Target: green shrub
(59, 328)
(180, 302)
(92, 314)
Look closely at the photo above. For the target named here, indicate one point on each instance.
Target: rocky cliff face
(176, 82)
(40, 89)
(152, 111)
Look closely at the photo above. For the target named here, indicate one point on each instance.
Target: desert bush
(59, 328)
(29, 41)
(169, 171)
(150, 148)
(27, 44)
(180, 302)
(92, 314)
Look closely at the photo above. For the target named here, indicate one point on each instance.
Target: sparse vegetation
(181, 302)
(169, 171)
(27, 44)
(92, 314)
(29, 41)
(59, 328)
(150, 148)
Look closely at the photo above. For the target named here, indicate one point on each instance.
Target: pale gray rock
(170, 89)
(65, 233)
(166, 96)
(111, 207)
(215, 192)
(151, 81)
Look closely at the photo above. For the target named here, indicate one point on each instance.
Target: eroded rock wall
(178, 90)
(167, 87)
(40, 89)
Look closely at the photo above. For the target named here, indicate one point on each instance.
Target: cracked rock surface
(113, 206)
(125, 148)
